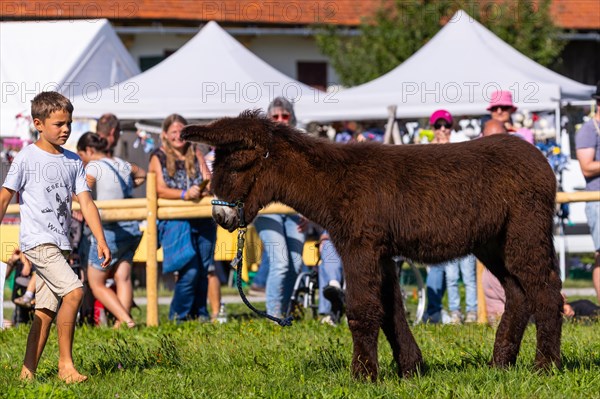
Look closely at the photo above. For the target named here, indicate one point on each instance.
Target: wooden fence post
(481, 306)
(152, 244)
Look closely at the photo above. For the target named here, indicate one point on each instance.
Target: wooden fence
(152, 208)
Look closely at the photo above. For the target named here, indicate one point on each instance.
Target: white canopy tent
(211, 76)
(458, 69)
(70, 57)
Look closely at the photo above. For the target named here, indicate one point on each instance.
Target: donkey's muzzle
(226, 217)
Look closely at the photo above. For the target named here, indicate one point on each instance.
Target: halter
(239, 207)
(238, 260)
(239, 204)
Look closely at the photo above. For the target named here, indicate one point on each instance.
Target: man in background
(109, 128)
(587, 144)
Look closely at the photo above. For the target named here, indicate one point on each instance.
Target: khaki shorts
(55, 277)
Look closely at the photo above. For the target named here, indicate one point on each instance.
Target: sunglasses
(280, 117)
(501, 108)
(438, 126)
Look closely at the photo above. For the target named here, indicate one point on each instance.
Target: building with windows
(282, 32)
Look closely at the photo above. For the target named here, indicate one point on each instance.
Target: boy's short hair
(48, 102)
(106, 123)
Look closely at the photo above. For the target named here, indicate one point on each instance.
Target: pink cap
(501, 98)
(440, 114)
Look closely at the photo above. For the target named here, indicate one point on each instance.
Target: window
(148, 61)
(313, 74)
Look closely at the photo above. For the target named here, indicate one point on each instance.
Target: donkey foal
(493, 197)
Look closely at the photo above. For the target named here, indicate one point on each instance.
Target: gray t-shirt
(46, 183)
(589, 137)
(104, 171)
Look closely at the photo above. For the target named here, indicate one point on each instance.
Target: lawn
(254, 358)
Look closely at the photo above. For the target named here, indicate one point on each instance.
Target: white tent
(70, 57)
(458, 69)
(211, 76)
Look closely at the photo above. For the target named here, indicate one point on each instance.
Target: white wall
(146, 45)
(281, 52)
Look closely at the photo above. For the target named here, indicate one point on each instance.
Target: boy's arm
(5, 197)
(92, 217)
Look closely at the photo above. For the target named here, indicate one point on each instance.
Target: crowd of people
(50, 245)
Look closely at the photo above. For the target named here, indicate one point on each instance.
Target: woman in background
(111, 178)
(180, 170)
(282, 235)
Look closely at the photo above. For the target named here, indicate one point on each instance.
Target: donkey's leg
(547, 303)
(534, 265)
(364, 310)
(512, 324)
(404, 347)
(516, 311)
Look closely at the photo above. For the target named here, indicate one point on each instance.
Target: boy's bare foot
(71, 376)
(26, 374)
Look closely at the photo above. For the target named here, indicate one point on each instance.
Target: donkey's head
(242, 148)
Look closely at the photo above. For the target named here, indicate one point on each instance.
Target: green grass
(254, 358)
(578, 283)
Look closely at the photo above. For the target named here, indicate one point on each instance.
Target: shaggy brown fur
(493, 197)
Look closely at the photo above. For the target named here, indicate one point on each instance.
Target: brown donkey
(493, 197)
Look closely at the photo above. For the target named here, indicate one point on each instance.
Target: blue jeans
(283, 244)
(467, 270)
(189, 297)
(592, 212)
(260, 278)
(329, 269)
(435, 292)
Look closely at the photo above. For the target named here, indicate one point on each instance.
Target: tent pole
(388, 136)
(557, 124)
(562, 261)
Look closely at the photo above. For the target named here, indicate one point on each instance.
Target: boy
(46, 177)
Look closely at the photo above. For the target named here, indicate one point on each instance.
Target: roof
(576, 14)
(569, 14)
(343, 12)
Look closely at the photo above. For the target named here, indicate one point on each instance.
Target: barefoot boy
(46, 177)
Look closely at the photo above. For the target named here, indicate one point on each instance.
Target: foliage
(529, 28)
(257, 359)
(397, 29)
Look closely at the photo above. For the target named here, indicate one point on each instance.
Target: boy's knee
(75, 295)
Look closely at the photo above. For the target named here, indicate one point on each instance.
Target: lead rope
(238, 262)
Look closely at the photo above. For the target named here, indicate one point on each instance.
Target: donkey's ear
(204, 134)
(247, 130)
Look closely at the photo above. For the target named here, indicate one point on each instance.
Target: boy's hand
(26, 271)
(19, 255)
(77, 215)
(104, 252)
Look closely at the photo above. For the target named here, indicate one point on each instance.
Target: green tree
(397, 29)
(528, 27)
